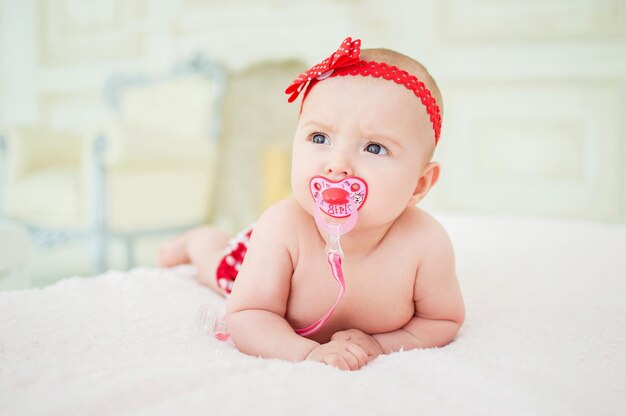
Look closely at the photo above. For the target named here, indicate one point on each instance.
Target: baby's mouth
(334, 197)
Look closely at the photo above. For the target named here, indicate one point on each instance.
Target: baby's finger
(336, 360)
(373, 350)
(341, 335)
(359, 353)
(350, 358)
(367, 342)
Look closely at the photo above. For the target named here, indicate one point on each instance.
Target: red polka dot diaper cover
(229, 266)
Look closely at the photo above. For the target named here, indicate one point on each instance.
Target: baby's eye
(375, 148)
(320, 139)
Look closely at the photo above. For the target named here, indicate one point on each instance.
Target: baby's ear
(430, 176)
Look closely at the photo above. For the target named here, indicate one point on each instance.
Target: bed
(545, 334)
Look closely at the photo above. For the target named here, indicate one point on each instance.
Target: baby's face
(366, 127)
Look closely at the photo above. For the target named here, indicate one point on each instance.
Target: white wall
(18, 73)
(534, 91)
(535, 106)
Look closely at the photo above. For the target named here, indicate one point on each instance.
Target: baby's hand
(363, 340)
(344, 355)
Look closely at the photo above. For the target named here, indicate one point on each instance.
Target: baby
(361, 162)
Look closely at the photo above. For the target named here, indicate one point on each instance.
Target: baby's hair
(409, 65)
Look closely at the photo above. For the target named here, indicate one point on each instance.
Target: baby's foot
(172, 254)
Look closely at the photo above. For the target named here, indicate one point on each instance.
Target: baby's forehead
(375, 96)
(374, 105)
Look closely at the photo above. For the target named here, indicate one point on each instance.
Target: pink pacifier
(338, 199)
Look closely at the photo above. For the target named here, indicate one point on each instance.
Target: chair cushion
(181, 107)
(129, 143)
(34, 148)
(48, 198)
(140, 197)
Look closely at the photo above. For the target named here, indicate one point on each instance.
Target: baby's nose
(338, 167)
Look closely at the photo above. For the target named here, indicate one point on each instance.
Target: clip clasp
(332, 244)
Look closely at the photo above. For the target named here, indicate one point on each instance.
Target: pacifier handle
(343, 228)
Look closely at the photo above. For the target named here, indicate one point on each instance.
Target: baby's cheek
(298, 182)
(300, 190)
(384, 203)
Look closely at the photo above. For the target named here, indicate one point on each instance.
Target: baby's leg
(203, 247)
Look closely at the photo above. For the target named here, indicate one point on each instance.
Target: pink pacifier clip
(334, 255)
(334, 231)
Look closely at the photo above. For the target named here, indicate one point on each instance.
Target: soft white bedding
(545, 334)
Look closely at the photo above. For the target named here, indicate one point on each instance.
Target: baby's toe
(164, 257)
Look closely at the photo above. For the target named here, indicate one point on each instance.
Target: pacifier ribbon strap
(334, 259)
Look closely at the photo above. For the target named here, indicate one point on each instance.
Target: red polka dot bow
(347, 54)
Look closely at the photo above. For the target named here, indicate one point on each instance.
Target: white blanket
(545, 334)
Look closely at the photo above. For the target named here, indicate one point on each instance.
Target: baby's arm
(439, 309)
(258, 304)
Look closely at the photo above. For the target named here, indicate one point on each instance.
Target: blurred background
(123, 122)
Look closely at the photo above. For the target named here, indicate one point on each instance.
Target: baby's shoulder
(423, 229)
(282, 218)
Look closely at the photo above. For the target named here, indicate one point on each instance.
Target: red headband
(346, 61)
